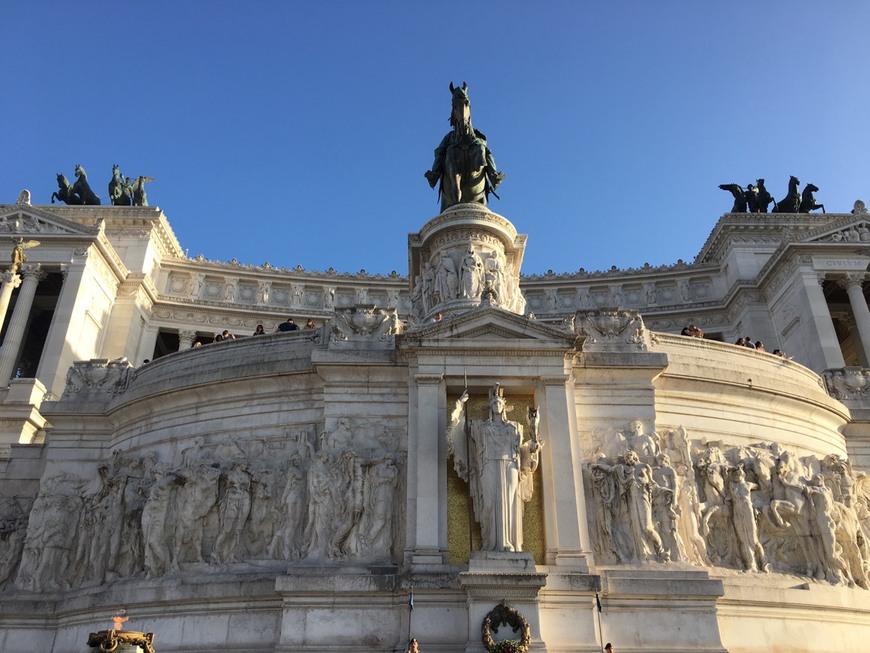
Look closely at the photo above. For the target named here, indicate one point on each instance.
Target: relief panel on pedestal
(669, 498)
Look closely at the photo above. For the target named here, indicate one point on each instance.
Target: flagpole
(600, 638)
(410, 612)
(468, 468)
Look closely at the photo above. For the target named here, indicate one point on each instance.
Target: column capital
(11, 277)
(851, 279)
(29, 270)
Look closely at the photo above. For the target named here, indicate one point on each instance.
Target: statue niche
(498, 464)
(463, 164)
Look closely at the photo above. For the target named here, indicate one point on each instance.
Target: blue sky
(298, 132)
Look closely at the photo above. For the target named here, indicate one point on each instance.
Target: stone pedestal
(465, 254)
(495, 577)
(21, 421)
(660, 609)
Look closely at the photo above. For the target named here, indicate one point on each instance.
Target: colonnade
(28, 280)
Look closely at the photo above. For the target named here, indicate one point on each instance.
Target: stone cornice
(773, 227)
(117, 219)
(615, 273)
(465, 214)
(201, 265)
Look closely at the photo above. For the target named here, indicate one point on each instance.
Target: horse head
(461, 105)
(116, 171)
(80, 172)
(811, 188)
(793, 182)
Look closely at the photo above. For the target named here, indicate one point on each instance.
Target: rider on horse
(463, 163)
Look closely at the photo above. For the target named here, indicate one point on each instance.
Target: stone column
(820, 317)
(147, 341)
(10, 281)
(73, 302)
(427, 456)
(185, 339)
(15, 334)
(567, 530)
(853, 283)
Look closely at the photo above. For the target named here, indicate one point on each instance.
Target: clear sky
(298, 132)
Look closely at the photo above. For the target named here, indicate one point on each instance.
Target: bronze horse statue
(138, 190)
(761, 199)
(740, 201)
(791, 202)
(120, 193)
(463, 165)
(65, 192)
(83, 189)
(808, 201)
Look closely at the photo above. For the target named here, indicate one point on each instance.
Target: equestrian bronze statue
(463, 165)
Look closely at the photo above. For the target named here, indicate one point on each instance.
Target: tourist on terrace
(310, 324)
(759, 346)
(289, 325)
(259, 331)
(741, 342)
(227, 335)
(747, 342)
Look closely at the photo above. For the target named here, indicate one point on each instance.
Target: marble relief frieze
(301, 497)
(668, 497)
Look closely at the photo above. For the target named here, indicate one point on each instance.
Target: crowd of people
(283, 327)
(744, 341)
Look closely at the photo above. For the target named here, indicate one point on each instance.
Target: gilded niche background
(458, 502)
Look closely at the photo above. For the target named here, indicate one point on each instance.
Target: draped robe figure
(498, 466)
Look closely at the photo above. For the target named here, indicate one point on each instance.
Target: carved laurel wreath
(109, 640)
(500, 615)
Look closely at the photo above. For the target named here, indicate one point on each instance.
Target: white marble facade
(290, 491)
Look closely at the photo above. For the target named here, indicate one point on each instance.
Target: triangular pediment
(854, 229)
(27, 220)
(493, 323)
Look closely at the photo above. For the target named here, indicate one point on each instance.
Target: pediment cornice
(491, 323)
(24, 219)
(766, 231)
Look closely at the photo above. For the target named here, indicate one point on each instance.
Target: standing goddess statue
(498, 465)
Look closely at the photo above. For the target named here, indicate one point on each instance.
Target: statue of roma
(498, 465)
(463, 163)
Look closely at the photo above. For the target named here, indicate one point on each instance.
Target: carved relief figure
(446, 279)
(494, 275)
(197, 494)
(233, 511)
(471, 274)
(156, 526)
(491, 463)
(287, 541)
(743, 516)
(637, 488)
(46, 556)
(263, 291)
